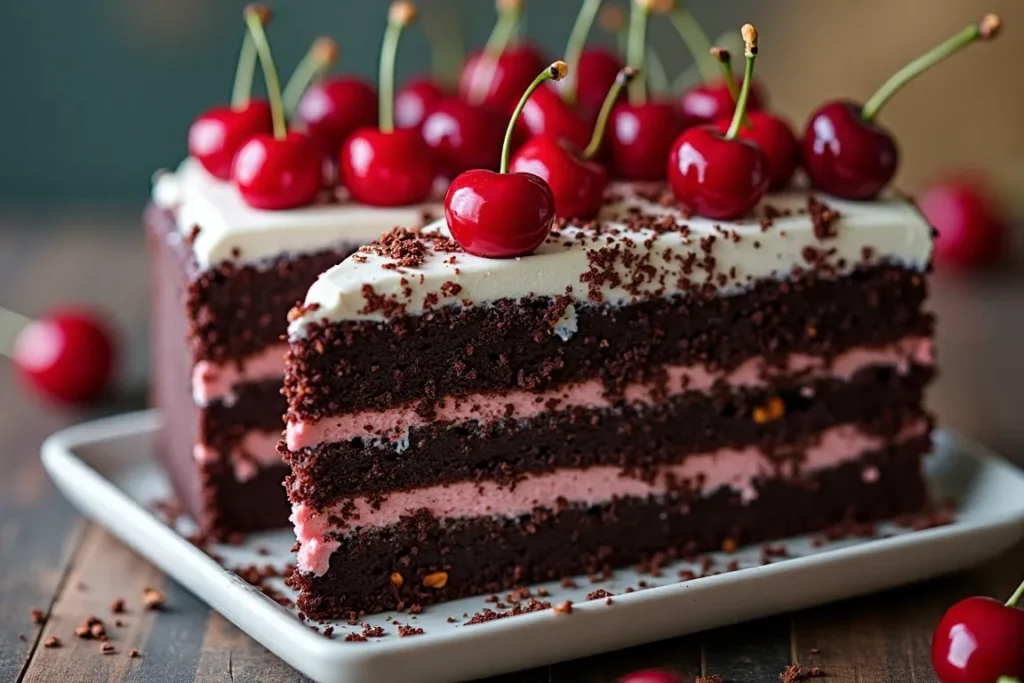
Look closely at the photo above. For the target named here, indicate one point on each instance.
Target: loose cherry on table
(980, 640)
(68, 355)
(642, 129)
(217, 134)
(282, 170)
(771, 133)
(576, 180)
(496, 76)
(463, 136)
(503, 214)
(716, 175)
(715, 97)
(388, 166)
(651, 676)
(971, 231)
(846, 153)
(416, 100)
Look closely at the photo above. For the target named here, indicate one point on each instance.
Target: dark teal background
(97, 94)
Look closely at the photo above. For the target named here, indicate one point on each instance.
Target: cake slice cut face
(225, 276)
(645, 385)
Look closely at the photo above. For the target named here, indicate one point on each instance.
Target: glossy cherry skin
(499, 215)
(776, 140)
(977, 641)
(68, 355)
(640, 137)
(972, 233)
(650, 676)
(218, 133)
(415, 100)
(846, 156)
(505, 80)
(546, 113)
(387, 169)
(463, 136)
(335, 109)
(274, 174)
(709, 102)
(577, 184)
(715, 177)
(595, 76)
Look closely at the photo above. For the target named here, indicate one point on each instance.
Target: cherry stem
(622, 79)
(321, 56)
(574, 48)
(273, 83)
(1015, 598)
(750, 39)
(11, 325)
(696, 41)
(241, 91)
(657, 77)
(502, 33)
(986, 29)
(556, 72)
(636, 49)
(400, 15)
(724, 59)
(447, 44)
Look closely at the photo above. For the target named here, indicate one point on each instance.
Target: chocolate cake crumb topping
(823, 218)
(406, 630)
(796, 673)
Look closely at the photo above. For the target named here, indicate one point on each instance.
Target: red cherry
(499, 215)
(977, 641)
(971, 231)
(846, 153)
(576, 180)
(415, 101)
(595, 74)
(502, 215)
(463, 136)
(709, 102)
(275, 174)
(387, 169)
(68, 355)
(577, 184)
(500, 82)
(336, 108)
(640, 137)
(716, 177)
(847, 156)
(218, 133)
(546, 113)
(650, 676)
(776, 140)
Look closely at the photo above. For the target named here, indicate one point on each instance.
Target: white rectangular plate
(107, 469)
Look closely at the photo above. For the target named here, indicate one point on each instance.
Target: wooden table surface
(52, 560)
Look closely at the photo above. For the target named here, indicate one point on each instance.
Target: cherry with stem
(385, 165)
(218, 133)
(68, 355)
(978, 640)
(771, 133)
(721, 175)
(714, 98)
(846, 152)
(972, 231)
(576, 179)
(592, 69)
(282, 170)
(504, 214)
(641, 129)
(320, 57)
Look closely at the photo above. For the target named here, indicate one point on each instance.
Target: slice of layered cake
(647, 383)
(224, 278)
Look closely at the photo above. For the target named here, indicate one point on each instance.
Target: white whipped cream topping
(227, 225)
(887, 230)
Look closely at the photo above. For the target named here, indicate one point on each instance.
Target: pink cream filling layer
(256, 450)
(213, 381)
(738, 469)
(591, 394)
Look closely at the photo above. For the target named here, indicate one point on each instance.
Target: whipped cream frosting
(231, 230)
(622, 258)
